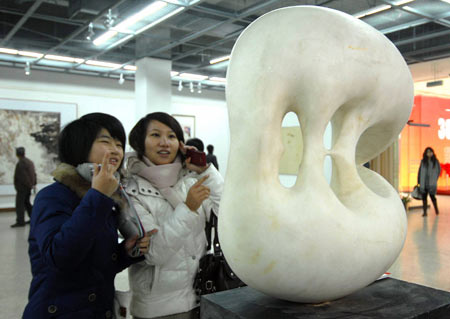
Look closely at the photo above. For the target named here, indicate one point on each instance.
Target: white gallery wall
(93, 94)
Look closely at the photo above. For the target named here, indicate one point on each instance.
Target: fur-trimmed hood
(67, 175)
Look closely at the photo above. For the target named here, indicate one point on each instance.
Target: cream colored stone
(312, 242)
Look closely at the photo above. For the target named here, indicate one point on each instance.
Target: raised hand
(103, 179)
(192, 167)
(197, 194)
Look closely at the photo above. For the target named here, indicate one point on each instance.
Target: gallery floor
(425, 258)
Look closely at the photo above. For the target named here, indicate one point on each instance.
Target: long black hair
(425, 157)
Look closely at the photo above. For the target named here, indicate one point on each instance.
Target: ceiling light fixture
(124, 25)
(110, 19)
(182, 3)
(121, 79)
(147, 11)
(103, 64)
(216, 79)
(130, 67)
(221, 59)
(174, 73)
(27, 68)
(401, 2)
(374, 10)
(192, 76)
(165, 17)
(180, 86)
(105, 37)
(148, 26)
(448, 1)
(91, 32)
(30, 54)
(63, 58)
(199, 87)
(8, 51)
(191, 87)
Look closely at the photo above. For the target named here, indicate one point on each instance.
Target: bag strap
(208, 226)
(217, 249)
(212, 223)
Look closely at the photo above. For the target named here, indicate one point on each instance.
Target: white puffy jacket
(163, 283)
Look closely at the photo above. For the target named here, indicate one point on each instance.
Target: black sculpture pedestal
(387, 298)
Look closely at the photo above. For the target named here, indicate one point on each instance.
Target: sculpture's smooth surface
(312, 242)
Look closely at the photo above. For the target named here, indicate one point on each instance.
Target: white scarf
(163, 177)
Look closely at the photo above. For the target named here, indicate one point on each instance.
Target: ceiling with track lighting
(105, 38)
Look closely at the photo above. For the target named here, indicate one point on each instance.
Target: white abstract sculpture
(315, 241)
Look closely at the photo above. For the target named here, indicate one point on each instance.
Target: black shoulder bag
(214, 273)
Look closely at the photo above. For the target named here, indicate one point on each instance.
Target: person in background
(197, 143)
(24, 182)
(175, 197)
(73, 241)
(429, 171)
(210, 157)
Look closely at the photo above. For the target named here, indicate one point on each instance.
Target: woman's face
(161, 143)
(103, 144)
(429, 153)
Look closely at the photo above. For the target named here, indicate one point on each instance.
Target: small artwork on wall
(187, 123)
(34, 126)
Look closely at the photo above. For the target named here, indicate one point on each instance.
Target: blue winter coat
(74, 250)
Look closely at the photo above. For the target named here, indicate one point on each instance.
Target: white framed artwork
(187, 123)
(34, 125)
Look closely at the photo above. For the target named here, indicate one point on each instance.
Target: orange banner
(428, 125)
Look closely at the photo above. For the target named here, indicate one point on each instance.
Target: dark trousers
(22, 204)
(425, 203)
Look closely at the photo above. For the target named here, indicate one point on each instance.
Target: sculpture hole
(327, 140)
(291, 158)
(328, 168)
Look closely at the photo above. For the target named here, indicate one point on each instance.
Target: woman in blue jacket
(73, 241)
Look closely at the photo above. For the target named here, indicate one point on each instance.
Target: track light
(91, 32)
(110, 19)
(180, 86)
(199, 87)
(121, 79)
(191, 87)
(27, 68)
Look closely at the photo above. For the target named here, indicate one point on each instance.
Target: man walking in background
(24, 181)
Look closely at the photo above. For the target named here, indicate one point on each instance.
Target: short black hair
(76, 139)
(139, 132)
(20, 151)
(197, 143)
(210, 148)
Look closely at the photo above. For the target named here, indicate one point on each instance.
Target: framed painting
(34, 125)
(187, 123)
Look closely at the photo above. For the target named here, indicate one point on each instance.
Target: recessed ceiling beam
(21, 22)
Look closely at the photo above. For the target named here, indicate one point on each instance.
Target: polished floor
(425, 258)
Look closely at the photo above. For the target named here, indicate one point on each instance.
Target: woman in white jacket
(175, 197)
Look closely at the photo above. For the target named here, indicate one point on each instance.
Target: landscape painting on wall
(37, 132)
(34, 126)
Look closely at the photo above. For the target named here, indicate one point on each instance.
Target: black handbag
(416, 193)
(214, 273)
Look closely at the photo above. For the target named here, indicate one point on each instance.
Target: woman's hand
(143, 244)
(103, 179)
(197, 194)
(192, 167)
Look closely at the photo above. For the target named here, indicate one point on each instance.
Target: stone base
(386, 298)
